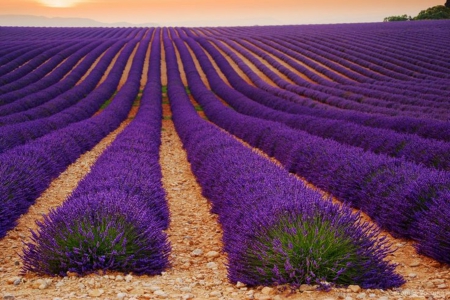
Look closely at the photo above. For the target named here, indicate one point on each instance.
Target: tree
(398, 18)
(447, 4)
(434, 13)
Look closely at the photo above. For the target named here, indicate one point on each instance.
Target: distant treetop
(433, 13)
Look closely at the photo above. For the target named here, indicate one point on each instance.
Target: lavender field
(356, 118)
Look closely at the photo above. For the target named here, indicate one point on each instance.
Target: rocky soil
(198, 268)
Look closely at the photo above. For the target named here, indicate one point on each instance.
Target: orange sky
(228, 12)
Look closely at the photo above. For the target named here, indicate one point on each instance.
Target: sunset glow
(191, 13)
(60, 3)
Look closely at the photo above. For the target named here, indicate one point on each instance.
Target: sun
(60, 3)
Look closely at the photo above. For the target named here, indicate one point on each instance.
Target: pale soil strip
(59, 189)
(127, 68)
(113, 61)
(255, 68)
(303, 76)
(418, 270)
(197, 65)
(146, 62)
(312, 43)
(76, 65)
(192, 226)
(301, 63)
(202, 74)
(238, 70)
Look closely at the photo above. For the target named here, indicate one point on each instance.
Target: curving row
(431, 153)
(327, 95)
(396, 194)
(275, 229)
(27, 170)
(114, 219)
(44, 75)
(72, 106)
(289, 102)
(55, 83)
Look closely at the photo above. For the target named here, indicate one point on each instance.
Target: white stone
(212, 254)
(240, 284)
(59, 284)
(197, 252)
(128, 278)
(267, 290)
(154, 288)
(215, 294)
(211, 265)
(415, 263)
(96, 292)
(354, 288)
(121, 295)
(119, 278)
(160, 294)
(307, 287)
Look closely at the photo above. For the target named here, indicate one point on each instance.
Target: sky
(219, 12)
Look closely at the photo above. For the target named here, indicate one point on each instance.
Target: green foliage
(322, 249)
(397, 18)
(164, 89)
(105, 104)
(434, 13)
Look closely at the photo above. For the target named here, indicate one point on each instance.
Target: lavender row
(19, 61)
(120, 203)
(436, 87)
(311, 96)
(27, 170)
(16, 51)
(42, 63)
(422, 99)
(383, 64)
(84, 101)
(64, 93)
(346, 60)
(273, 224)
(51, 60)
(63, 34)
(332, 96)
(420, 60)
(22, 88)
(435, 154)
(275, 98)
(394, 193)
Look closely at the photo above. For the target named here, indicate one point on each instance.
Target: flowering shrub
(276, 230)
(98, 232)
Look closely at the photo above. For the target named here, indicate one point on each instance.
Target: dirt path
(198, 268)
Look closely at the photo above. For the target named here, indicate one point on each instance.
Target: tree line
(432, 13)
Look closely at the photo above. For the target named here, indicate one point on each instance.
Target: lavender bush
(114, 219)
(98, 232)
(276, 230)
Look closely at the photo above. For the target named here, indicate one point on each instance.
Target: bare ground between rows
(193, 233)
